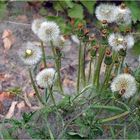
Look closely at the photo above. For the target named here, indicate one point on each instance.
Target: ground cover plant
(105, 101)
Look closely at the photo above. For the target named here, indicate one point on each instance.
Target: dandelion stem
(57, 64)
(52, 97)
(44, 55)
(35, 88)
(97, 72)
(79, 66)
(107, 78)
(83, 65)
(90, 65)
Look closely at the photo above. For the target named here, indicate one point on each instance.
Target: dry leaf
(22, 18)
(1, 106)
(11, 110)
(21, 105)
(68, 82)
(5, 95)
(8, 39)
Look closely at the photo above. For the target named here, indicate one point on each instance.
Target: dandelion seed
(123, 16)
(36, 24)
(30, 54)
(46, 77)
(106, 12)
(48, 31)
(125, 84)
(117, 41)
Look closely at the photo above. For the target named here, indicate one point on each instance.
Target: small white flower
(129, 41)
(46, 77)
(125, 84)
(106, 12)
(117, 41)
(30, 54)
(48, 31)
(36, 25)
(123, 16)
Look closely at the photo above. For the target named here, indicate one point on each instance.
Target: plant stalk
(43, 54)
(35, 88)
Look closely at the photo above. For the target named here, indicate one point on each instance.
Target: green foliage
(3, 8)
(134, 7)
(76, 11)
(89, 5)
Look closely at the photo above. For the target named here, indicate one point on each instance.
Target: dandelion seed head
(48, 31)
(106, 12)
(124, 84)
(46, 77)
(36, 24)
(123, 16)
(30, 54)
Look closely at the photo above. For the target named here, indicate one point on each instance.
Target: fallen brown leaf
(68, 82)
(22, 18)
(5, 95)
(8, 39)
(11, 110)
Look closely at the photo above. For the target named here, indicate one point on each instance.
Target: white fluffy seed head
(46, 77)
(48, 31)
(129, 40)
(36, 24)
(117, 41)
(106, 12)
(30, 54)
(124, 84)
(123, 16)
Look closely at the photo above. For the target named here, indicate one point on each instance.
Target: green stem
(107, 78)
(115, 117)
(83, 65)
(51, 95)
(90, 65)
(121, 65)
(97, 72)
(35, 88)
(79, 65)
(44, 55)
(57, 64)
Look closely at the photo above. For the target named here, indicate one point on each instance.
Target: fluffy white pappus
(116, 41)
(106, 12)
(48, 31)
(125, 85)
(30, 54)
(46, 77)
(36, 24)
(123, 16)
(129, 41)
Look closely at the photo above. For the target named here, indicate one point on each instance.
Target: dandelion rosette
(123, 16)
(36, 24)
(48, 31)
(117, 41)
(125, 84)
(106, 12)
(46, 77)
(30, 54)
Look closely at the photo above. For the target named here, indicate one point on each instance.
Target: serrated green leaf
(76, 11)
(89, 5)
